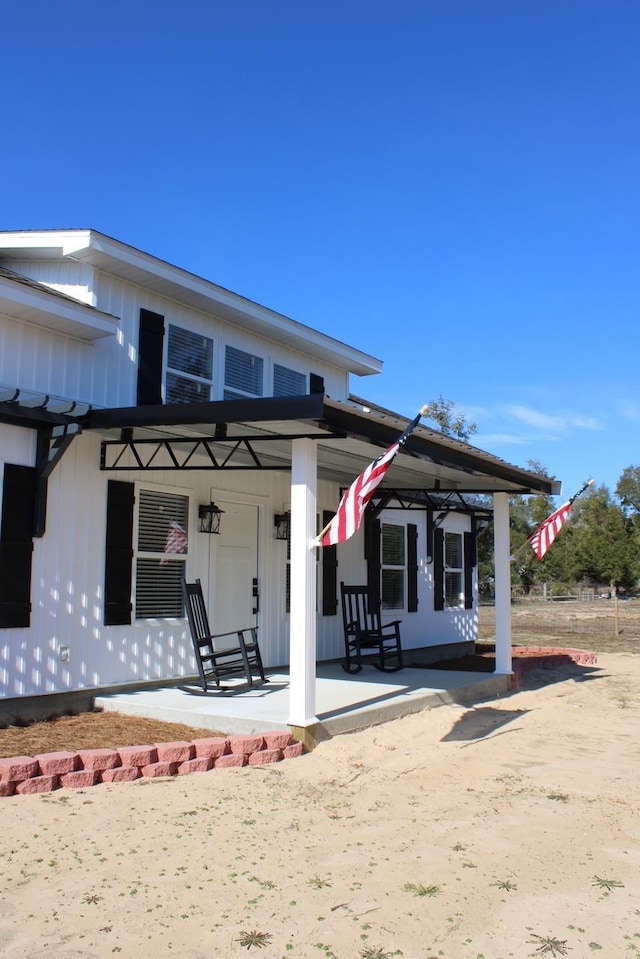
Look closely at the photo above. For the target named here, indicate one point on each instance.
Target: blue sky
(452, 186)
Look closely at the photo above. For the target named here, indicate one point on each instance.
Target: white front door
(234, 587)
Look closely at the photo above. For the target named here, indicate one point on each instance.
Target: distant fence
(558, 593)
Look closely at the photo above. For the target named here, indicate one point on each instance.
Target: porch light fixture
(209, 517)
(282, 524)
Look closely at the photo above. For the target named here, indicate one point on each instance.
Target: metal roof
(258, 434)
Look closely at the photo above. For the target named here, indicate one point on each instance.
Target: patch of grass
(607, 884)
(549, 945)
(558, 797)
(505, 884)
(373, 952)
(254, 938)
(422, 890)
(317, 883)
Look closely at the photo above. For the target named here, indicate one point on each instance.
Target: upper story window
(243, 374)
(393, 573)
(288, 382)
(189, 366)
(453, 570)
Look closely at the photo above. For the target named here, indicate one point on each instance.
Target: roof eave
(133, 265)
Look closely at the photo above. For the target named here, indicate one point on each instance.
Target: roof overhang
(30, 302)
(162, 278)
(348, 438)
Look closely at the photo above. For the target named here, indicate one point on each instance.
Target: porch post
(302, 620)
(502, 550)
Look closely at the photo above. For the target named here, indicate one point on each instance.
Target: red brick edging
(526, 657)
(87, 767)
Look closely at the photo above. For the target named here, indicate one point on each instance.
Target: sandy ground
(511, 829)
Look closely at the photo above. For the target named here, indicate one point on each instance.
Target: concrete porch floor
(343, 703)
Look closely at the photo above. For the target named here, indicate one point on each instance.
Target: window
(453, 570)
(161, 553)
(242, 374)
(393, 573)
(189, 366)
(288, 382)
(287, 585)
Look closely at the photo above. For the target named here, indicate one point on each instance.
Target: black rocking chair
(364, 632)
(216, 661)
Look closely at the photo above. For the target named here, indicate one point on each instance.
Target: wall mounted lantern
(282, 524)
(209, 517)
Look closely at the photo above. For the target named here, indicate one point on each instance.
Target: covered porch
(344, 703)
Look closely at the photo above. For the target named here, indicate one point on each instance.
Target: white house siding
(64, 275)
(125, 300)
(33, 358)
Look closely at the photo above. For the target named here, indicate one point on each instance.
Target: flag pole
(401, 439)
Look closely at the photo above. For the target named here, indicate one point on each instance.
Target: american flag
(547, 531)
(176, 541)
(354, 501)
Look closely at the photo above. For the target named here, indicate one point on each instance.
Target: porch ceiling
(348, 435)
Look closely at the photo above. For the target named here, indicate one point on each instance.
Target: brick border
(527, 657)
(25, 775)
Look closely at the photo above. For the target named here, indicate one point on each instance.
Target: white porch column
(502, 551)
(302, 620)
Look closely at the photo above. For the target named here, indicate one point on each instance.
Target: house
(138, 401)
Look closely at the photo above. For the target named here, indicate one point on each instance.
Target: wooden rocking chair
(216, 661)
(364, 632)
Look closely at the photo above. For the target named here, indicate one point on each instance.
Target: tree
(604, 543)
(628, 488)
(441, 411)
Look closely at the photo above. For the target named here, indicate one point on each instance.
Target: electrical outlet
(63, 654)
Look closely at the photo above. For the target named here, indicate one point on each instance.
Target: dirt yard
(507, 830)
(590, 625)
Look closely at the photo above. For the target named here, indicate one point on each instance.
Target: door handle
(256, 595)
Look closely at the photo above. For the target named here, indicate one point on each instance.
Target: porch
(344, 703)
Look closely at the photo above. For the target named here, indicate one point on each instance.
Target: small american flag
(354, 501)
(547, 531)
(176, 541)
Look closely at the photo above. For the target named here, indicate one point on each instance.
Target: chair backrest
(357, 611)
(197, 614)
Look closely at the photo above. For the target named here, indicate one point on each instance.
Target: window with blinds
(189, 366)
(393, 571)
(453, 570)
(288, 382)
(243, 374)
(161, 552)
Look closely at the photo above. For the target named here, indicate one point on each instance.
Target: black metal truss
(424, 499)
(180, 453)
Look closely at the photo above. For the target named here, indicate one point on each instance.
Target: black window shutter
(316, 383)
(438, 569)
(412, 568)
(469, 563)
(16, 544)
(329, 573)
(372, 557)
(118, 554)
(150, 349)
